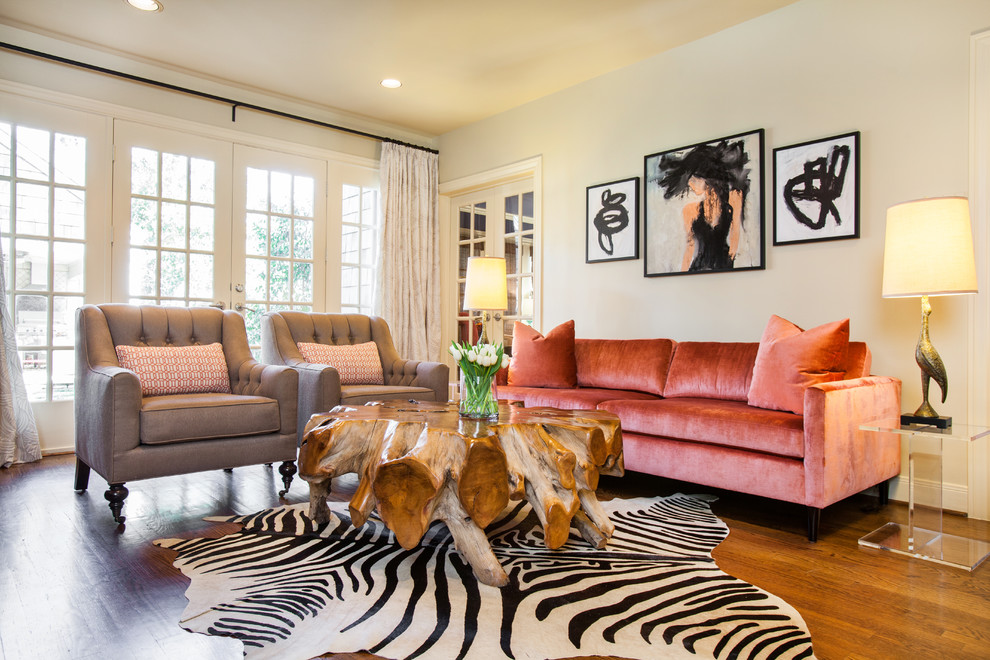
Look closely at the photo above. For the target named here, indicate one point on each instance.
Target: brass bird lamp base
(932, 368)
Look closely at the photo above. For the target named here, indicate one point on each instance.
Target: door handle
(244, 308)
(218, 304)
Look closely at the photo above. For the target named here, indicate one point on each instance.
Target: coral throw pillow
(357, 364)
(177, 369)
(543, 361)
(790, 359)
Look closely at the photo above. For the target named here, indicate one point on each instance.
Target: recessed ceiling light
(391, 83)
(146, 5)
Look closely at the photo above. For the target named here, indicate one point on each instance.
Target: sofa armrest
(434, 375)
(840, 459)
(275, 382)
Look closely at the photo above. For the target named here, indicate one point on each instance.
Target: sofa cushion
(357, 364)
(713, 421)
(717, 370)
(790, 359)
(623, 364)
(543, 361)
(859, 361)
(165, 370)
(581, 398)
(181, 417)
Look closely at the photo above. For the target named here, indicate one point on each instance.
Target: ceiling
(459, 60)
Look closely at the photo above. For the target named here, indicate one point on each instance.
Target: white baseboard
(955, 497)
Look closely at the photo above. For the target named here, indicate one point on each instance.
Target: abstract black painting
(612, 223)
(704, 207)
(816, 190)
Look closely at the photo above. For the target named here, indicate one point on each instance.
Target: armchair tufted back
(290, 328)
(114, 324)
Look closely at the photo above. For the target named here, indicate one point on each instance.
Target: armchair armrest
(840, 459)
(273, 381)
(107, 415)
(434, 375)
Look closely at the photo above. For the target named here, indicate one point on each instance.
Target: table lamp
(485, 288)
(928, 251)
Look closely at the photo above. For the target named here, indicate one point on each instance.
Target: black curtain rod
(234, 104)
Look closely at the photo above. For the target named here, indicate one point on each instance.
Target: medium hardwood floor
(75, 585)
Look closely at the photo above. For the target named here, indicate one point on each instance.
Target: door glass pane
(34, 366)
(69, 267)
(30, 265)
(176, 232)
(32, 209)
(6, 150)
(63, 373)
(360, 252)
(33, 154)
(63, 319)
(70, 159)
(70, 213)
(31, 320)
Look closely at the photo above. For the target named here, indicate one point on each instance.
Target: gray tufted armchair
(125, 436)
(319, 385)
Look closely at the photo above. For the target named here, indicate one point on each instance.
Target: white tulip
(472, 356)
(505, 361)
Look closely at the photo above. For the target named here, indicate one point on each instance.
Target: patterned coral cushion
(177, 369)
(358, 364)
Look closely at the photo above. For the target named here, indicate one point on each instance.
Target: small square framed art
(612, 221)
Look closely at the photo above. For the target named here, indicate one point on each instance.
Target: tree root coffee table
(418, 462)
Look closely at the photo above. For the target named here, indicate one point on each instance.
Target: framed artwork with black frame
(612, 221)
(703, 207)
(816, 190)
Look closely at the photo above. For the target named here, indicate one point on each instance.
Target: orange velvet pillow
(539, 361)
(790, 359)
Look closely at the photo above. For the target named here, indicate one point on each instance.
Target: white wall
(896, 70)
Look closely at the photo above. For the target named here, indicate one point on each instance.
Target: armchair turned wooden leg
(82, 475)
(115, 496)
(286, 469)
(814, 518)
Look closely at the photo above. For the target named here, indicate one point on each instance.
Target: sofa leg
(286, 469)
(82, 475)
(883, 490)
(116, 495)
(814, 517)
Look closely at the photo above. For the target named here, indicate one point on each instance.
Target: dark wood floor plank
(75, 585)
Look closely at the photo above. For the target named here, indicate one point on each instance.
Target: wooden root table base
(418, 462)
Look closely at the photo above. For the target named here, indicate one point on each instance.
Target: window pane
(201, 228)
(35, 368)
(350, 205)
(511, 258)
(174, 225)
(70, 159)
(302, 196)
(278, 286)
(144, 171)
(302, 282)
(201, 275)
(281, 237)
(33, 153)
(303, 239)
(281, 191)
(350, 237)
(173, 275)
(202, 180)
(175, 176)
(69, 267)
(31, 320)
(32, 209)
(256, 273)
(30, 265)
(144, 222)
(64, 319)
(369, 251)
(349, 285)
(70, 213)
(5, 150)
(142, 279)
(63, 371)
(257, 189)
(257, 234)
(5, 207)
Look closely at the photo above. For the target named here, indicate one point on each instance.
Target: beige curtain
(18, 432)
(410, 273)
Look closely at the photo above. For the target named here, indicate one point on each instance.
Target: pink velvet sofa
(684, 414)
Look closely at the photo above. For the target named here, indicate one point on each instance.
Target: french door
(498, 222)
(199, 221)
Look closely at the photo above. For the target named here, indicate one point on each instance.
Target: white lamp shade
(484, 285)
(928, 249)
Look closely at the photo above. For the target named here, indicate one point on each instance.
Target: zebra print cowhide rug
(290, 589)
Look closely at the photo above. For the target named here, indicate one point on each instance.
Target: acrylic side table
(923, 536)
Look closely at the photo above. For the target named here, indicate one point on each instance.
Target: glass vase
(479, 397)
